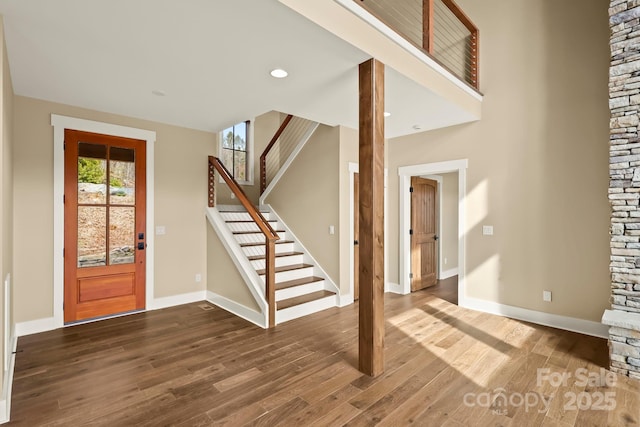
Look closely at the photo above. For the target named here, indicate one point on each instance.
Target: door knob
(435, 237)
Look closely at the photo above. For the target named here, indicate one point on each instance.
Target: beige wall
(180, 201)
(449, 221)
(538, 159)
(264, 127)
(307, 198)
(223, 276)
(6, 187)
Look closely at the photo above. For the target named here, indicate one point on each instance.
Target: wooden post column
(427, 25)
(371, 210)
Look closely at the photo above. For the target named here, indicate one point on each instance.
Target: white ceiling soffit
(211, 59)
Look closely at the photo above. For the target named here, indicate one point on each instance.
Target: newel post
(212, 181)
(270, 279)
(263, 173)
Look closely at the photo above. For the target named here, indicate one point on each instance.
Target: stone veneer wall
(624, 187)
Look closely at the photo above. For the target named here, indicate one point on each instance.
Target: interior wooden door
(356, 234)
(104, 223)
(424, 223)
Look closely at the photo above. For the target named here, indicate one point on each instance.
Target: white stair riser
(296, 291)
(242, 216)
(305, 309)
(260, 250)
(241, 225)
(280, 261)
(285, 276)
(249, 226)
(255, 237)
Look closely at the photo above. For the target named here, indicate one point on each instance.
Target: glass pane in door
(122, 176)
(92, 236)
(92, 173)
(122, 223)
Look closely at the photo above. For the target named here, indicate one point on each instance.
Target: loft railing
(284, 141)
(437, 27)
(270, 235)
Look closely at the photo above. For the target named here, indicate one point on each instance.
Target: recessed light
(158, 92)
(387, 114)
(417, 127)
(279, 73)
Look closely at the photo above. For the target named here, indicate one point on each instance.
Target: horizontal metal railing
(275, 155)
(437, 27)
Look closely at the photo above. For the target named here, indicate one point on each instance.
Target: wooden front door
(356, 235)
(104, 225)
(424, 223)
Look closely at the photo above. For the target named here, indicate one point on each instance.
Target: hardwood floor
(195, 365)
(446, 289)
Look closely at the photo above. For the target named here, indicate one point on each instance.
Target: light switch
(487, 230)
(160, 230)
(332, 229)
(546, 296)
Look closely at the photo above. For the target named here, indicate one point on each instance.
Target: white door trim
(405, 173)
(354, 168)
(60, 123)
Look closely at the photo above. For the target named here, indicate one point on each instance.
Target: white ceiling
(211, 57)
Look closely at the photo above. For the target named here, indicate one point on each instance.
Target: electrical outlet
(198, 277)
(445, 261)
(487, 230)
(546, 296)
(160, 230)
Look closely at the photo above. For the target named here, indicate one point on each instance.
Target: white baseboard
(35, 326)
(448, 273)
(7, 386)
(586, 327)
(49, 324)
(345, 300)
(173, 300)
(394, 288)
(237, 309)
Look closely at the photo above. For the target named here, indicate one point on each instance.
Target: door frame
(354, 168)
(405, 173)
(60, 123)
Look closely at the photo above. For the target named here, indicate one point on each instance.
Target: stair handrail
(270, 235)
(265, 153)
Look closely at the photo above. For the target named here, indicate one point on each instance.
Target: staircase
(301, 287)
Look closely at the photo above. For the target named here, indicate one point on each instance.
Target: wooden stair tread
(243, 210)
(291, 302)
(245, 221)
(282, 254)
(298, 282)
(278, 242)
(286, 268)
(255, 232)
